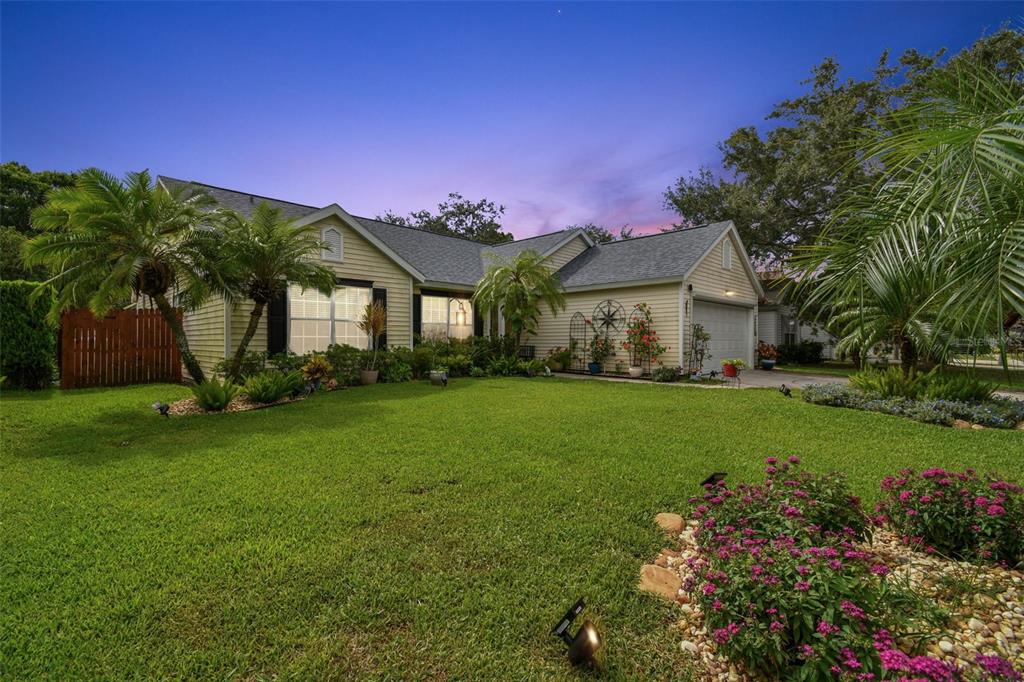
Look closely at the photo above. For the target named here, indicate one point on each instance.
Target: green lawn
(396, 531)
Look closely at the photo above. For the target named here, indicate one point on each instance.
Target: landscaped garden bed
(789, 579)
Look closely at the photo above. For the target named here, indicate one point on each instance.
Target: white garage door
(729, 330)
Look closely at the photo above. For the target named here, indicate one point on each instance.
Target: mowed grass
(394, 531)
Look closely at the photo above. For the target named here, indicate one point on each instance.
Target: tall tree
(21, 192)
(601, 234)
(109, 240)
(458, 217)
(518, 288)
(264, 253)
(781, 187)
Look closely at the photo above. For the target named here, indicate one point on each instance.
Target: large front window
(316, 321)
(446, 318)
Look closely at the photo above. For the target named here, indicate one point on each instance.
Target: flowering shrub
(958, 514)
(641, 337)
(784, 588)
(767, 351)
(601, 348)
(997, 413)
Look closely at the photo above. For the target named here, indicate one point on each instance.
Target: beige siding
(205, 331)
(239, 323)
(664, 302)
(711, 280)
(565, 254)
(363, 260)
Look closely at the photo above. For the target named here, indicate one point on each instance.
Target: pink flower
(709, 588)
(772, 460)
(880, 569)
(825, 628)
(995, 510)
(801, 585)
(852, 610)
(771, 470)
(793, 459)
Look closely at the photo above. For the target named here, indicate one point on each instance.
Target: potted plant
(642, 340)
(558, 358)
(767, 354)
(600, 349)
(732, 366)
(316, 369)
(373, 322)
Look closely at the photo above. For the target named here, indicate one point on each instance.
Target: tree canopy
(781, 186)
(601, 234)
(458, 217)
(21, 192)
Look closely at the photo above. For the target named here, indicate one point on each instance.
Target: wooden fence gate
(125, 347)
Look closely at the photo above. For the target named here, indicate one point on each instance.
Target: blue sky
(563, 112)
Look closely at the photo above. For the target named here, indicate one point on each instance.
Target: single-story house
(694, 276)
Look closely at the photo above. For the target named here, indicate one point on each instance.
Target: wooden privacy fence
(125, 347)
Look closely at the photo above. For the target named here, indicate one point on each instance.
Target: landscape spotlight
(586, 641)
(713, 479)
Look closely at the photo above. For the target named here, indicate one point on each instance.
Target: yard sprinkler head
(713, 480)
(585, 643)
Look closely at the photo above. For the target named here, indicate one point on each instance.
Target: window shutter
(332, 240)
(277, 324)
(381, 296)
(417, 316)
(478, 322)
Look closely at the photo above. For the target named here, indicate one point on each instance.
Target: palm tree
(944, 231)
(267, 252)
(517, 288)
(110, 240)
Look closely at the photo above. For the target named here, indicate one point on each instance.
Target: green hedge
(28, 343)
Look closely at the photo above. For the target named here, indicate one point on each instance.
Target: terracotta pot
(729, 370)
(368, 376)
(636, 372)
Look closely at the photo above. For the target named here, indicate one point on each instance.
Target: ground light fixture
(585, 643)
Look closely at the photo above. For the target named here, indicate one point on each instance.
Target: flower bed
(996, 413)
(783, 581)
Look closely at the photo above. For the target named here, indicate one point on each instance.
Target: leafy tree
(601, 234)
(936, 248)
(518, 288)
(458, 217)
(782, 187)
(109, 240)
(263, 254)
(22, 191)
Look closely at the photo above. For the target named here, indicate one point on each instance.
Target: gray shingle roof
(454, 260)
(240, 201)
(667, 254)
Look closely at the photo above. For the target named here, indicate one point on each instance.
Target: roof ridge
(662, 233)
(238, 191)
(538, 236)
(420, 229)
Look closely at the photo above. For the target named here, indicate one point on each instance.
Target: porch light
(730, 292)
(585, 643)
(460, 315)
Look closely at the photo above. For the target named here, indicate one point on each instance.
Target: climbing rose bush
(783, 586)
(958, 514)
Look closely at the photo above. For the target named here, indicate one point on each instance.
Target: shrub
(288, 361)
(959, 387)
(347, 361)
(531, 368)
(891, 383)
(316, 369)
(423, 357)
(767, 351)
(504, 366)
(396, 372)
(253, 363)
(477, 372)
(28, 343)
(214, 395)
(458, 365)
(804, 353)
(782, 584)
(957, 514)
(271, 386)
(665, 374)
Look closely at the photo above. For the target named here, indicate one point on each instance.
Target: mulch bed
(240, 403)
(988, 614)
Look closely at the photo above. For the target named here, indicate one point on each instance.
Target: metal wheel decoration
(609, 316)
(578, 341)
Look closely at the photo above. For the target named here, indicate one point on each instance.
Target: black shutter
(381, 296)
(417, 316)
(277, 324)
(478, 322)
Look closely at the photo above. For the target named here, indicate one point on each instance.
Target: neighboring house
(780, 324)
(425, 280)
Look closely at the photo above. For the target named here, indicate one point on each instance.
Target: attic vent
(332, 245)
(727, 255)
(251, 200)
